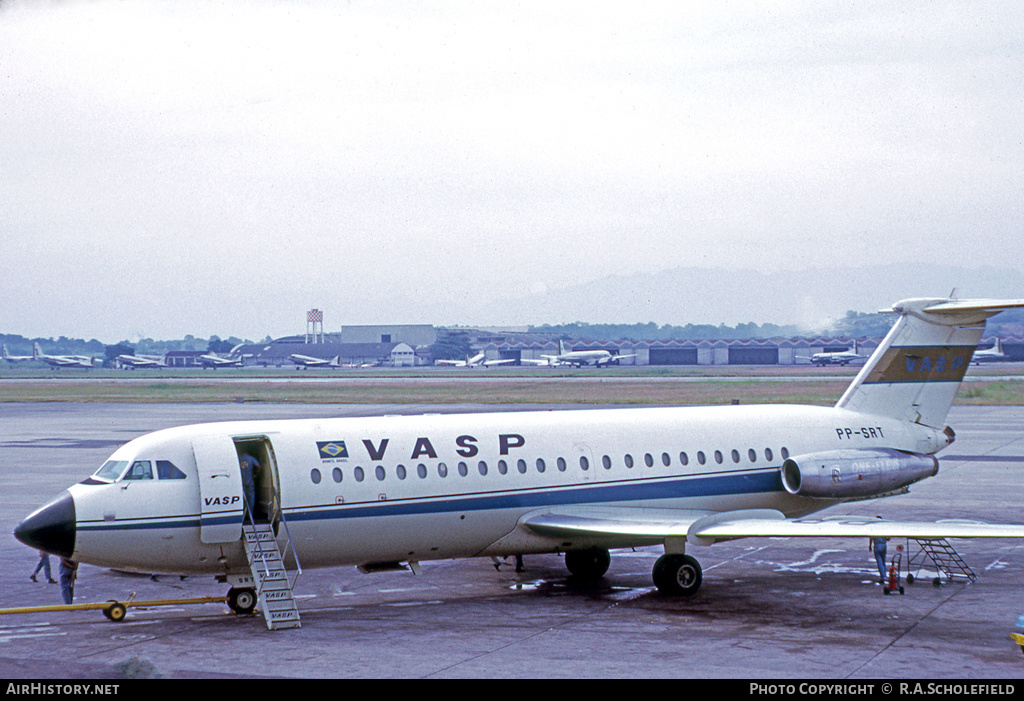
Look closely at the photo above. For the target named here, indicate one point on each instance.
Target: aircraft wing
(637, 524)
(852, 527)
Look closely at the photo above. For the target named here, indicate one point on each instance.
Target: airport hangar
(409, 345)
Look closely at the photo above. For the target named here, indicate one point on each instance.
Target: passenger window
(421, 470)
(684, 458)
(666, 459)
(700, 457)
(502, 467)
(648, 460)
(540, 465)
(140, 470)
(785, 453)
(768, 455)
(358, 473)
(718, 456)
(442, 469)
(521, 466)
(482, 467)
(314, 475)
(400, 471)
(336, 474)
(752, 454)
(584, 463)
(166, 470)
(628, 460)
(735, 456)
(463, 469)
(561, 464)
(607, 462)
(379, 471)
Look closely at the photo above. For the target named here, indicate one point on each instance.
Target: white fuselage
(417, 488)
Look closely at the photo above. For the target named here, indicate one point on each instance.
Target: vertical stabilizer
(915, 373)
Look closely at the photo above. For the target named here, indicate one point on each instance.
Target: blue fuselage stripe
(729, 484)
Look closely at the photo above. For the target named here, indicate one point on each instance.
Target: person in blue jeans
(877, 546)
(44, 565)
(249, 466)
(68, 574)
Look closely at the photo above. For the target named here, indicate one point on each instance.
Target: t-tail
(915, 373)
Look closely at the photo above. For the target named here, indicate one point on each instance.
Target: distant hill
(813, 300)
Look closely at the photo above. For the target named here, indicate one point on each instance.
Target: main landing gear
(675, 574)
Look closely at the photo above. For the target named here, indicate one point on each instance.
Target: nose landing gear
(242, 600)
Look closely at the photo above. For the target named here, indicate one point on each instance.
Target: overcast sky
(221, 167)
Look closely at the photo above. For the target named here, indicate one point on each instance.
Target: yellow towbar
(116, 610)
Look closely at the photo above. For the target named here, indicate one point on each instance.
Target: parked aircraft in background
(478, 360)
(141, 361)
(990, 354)
(378, 492)
(838, 358)
(64, 361)
(212, 360)
(598, 358)
(15, 358)
(310, 362)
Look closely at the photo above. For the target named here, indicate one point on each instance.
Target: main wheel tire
(242, 601)
(677, 575)
(588, 565)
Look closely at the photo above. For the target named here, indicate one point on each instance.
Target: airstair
(947, 561)
(273, 586)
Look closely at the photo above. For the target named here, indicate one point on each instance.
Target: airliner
(63, 361)
(311, 362)
(15, 358)
(392, 492)
(477, 360)
(837, 358)
(215, 361)
(141, 361)
(597, 358)
(990, 354)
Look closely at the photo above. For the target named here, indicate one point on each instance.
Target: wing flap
(612, 522)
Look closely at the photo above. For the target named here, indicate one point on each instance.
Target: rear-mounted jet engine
(842, 474)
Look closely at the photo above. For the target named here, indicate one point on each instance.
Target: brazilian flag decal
(332, 449)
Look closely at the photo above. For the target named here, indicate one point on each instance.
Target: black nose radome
(51, 527)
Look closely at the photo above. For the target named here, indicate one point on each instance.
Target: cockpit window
(111, 470)
(166, 470)
(140, 470)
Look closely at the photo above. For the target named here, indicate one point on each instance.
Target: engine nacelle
(840, 474)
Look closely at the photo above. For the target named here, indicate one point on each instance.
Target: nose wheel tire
(677, 575)
(242, 601)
